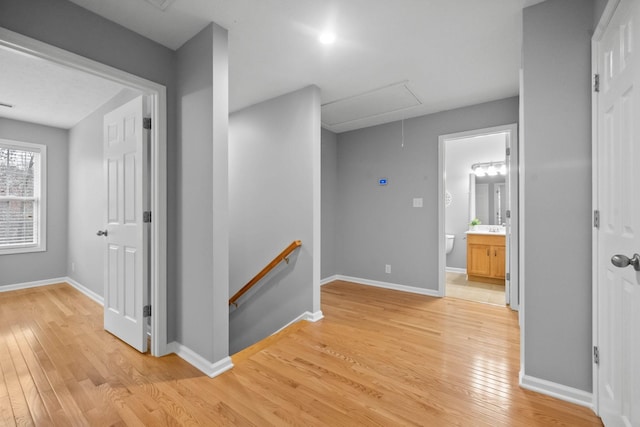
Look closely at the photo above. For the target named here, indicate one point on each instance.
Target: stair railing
(283, 256)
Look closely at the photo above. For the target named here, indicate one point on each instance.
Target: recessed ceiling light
(327, 37)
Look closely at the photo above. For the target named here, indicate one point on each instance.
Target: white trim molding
(35, 284)
(559, 391)
(210, 369)
(329, 279)
(58, 280)
(307, 315)
(88, 292)
(387, 285)
(456, 270)
(312, 317)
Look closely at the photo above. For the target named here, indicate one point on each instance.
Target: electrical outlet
(387, 268)
(73, 267)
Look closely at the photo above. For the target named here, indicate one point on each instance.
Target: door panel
(125, 258)
(618, 175)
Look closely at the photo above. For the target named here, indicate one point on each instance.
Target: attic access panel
(376, 102)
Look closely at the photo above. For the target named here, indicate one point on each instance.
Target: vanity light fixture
(489, 169)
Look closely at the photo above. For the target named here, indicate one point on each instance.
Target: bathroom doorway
(478, 216)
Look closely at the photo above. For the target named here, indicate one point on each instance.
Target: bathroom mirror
(487, 199)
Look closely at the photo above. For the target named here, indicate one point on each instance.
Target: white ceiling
(446, 53)
(47, 93)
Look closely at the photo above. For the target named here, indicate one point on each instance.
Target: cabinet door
(498, 262)
(478, 260)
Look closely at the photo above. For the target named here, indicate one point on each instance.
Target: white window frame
(41, 199)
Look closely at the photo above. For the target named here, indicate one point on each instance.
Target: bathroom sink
(487, 229)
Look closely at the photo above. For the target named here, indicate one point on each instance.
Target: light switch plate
(417, 202)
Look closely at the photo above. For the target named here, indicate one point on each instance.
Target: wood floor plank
(16, 397)
(378, 358)
(40, 380)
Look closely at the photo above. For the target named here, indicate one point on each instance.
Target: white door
(617, 288)
(507, 220)
(125, 282)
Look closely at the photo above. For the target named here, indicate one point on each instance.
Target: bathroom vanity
(486, 257)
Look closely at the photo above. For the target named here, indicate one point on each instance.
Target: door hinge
(508, 151)
(508, 276)
(596, 218)
(146, 123)
(146, 216)
(146, 311)
(596, 355)
(596, 82)
(507, 213)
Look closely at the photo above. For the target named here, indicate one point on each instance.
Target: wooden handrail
(282, 256)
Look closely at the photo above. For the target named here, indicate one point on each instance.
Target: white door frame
(158, 111)
(514, 246)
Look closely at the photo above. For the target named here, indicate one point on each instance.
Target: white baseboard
(387, 285)
(559, 391)
(456, 270)
(35, 284)
(329, 279)
(88, 292)
(312, 317)
(307, 315)
(26, 285)
(193, 358)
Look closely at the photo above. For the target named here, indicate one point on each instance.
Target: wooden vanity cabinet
(486, 258)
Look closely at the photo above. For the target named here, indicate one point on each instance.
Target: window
(22, 197)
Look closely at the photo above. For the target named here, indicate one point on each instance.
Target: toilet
(450, 239)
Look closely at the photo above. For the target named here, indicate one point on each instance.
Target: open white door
(125, 281)
(511, 220)
(617, 177)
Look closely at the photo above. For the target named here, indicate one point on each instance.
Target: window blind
(19, 196)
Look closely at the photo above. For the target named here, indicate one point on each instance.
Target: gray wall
(271, 190)
(377, 225)
(30, 267)
(201, 295)
(85, 262)
(557, 186)
(329, 141)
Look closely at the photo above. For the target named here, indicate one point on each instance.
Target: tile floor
(459, 287)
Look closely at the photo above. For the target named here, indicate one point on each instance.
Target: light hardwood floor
(457, 286)
(379, 357)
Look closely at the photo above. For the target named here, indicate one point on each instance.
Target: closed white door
(618, 238)
(125, 281)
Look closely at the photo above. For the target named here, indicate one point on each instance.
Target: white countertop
(487, 229)
(493, 233)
